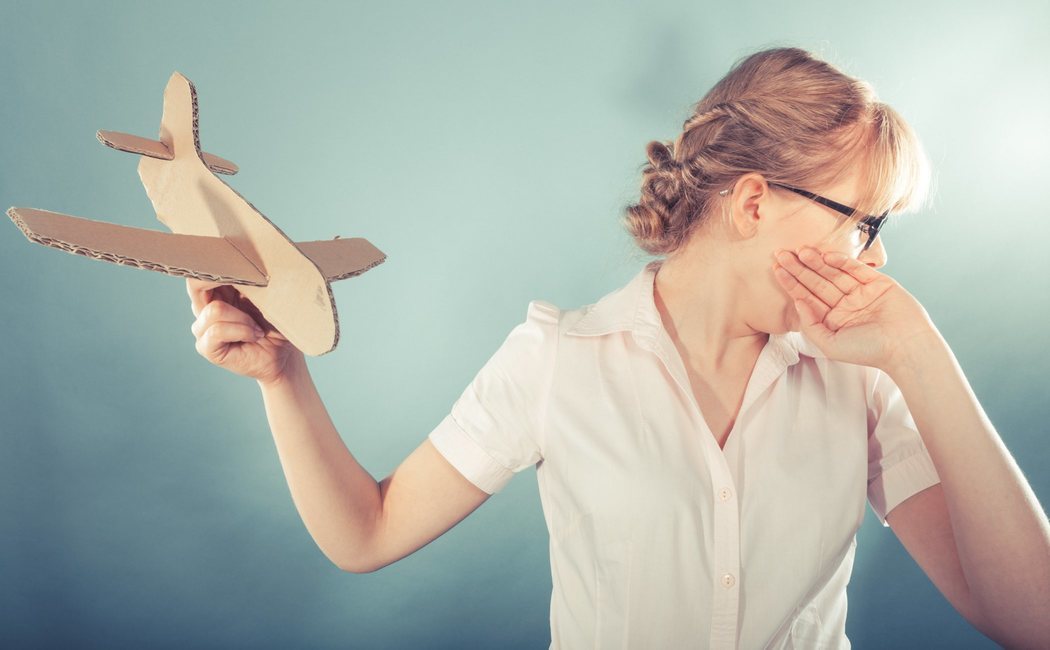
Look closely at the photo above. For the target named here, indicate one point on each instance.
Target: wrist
(912, 351)
(294, 369)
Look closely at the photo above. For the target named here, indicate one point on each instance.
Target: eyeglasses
(869, 225)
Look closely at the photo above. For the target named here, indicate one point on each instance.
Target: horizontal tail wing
(157, 149)
(338, 259)
(206, 258)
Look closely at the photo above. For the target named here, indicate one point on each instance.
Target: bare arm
(359, 524)
(422, 499)
(1000, 529)
(338, 501)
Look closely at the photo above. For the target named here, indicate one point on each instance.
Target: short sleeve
(899, 465)
(494, 429)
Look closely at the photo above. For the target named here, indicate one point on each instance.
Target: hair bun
(779, 112)
(661, 156)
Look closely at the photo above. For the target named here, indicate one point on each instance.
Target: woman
(705, 436)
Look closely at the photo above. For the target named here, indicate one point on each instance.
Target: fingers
(215, 341)
(239, 309)
(220, 312)
(808, 316)
(798, 274)
(799, 292)
(200, 293)
(857, 269)
(813, 259)
(831, 287)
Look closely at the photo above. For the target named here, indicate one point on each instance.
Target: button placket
(726, 560)
(725, 611)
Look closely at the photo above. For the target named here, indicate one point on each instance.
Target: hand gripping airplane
(216, 235)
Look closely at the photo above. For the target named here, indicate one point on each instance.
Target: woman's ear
(748, 203)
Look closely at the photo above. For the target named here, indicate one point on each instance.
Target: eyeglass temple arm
(834, 205)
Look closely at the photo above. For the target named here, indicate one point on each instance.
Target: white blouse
(659, 538)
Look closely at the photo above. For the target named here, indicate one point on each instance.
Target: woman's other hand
(850, 311)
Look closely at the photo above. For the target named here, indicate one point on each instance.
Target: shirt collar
(632, 308)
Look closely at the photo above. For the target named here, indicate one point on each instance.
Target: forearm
(337, 499)
(1001, 531)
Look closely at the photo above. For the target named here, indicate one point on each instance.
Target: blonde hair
(791, 117)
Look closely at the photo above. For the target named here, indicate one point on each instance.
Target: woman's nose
(875, 256)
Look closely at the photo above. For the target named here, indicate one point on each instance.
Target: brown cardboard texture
(216, 234)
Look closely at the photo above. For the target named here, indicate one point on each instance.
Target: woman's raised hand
(852, 312)
(233, 334)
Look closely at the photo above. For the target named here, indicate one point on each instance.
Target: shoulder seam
(547, 308)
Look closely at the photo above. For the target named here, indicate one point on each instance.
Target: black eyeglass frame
(872, 222)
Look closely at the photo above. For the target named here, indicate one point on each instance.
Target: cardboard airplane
(216, 235)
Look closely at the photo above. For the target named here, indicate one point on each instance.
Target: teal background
(488, 149)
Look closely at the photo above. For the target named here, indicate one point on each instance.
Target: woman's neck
(700, 301)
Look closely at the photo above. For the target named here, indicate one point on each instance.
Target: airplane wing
(338, 258)
(208, 258)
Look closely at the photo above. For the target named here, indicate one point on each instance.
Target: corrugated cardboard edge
(331, 296)
(156, 149)
(364, 259)
(123, 260)
(328, 283)
(356, 273)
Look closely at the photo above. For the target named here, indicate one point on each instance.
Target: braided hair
(791, 117)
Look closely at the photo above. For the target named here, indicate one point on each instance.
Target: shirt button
(725, 493)
(728, 580)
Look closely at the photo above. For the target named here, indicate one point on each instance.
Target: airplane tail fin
(178, 123)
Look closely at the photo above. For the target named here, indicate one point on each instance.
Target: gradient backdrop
(488, 149)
